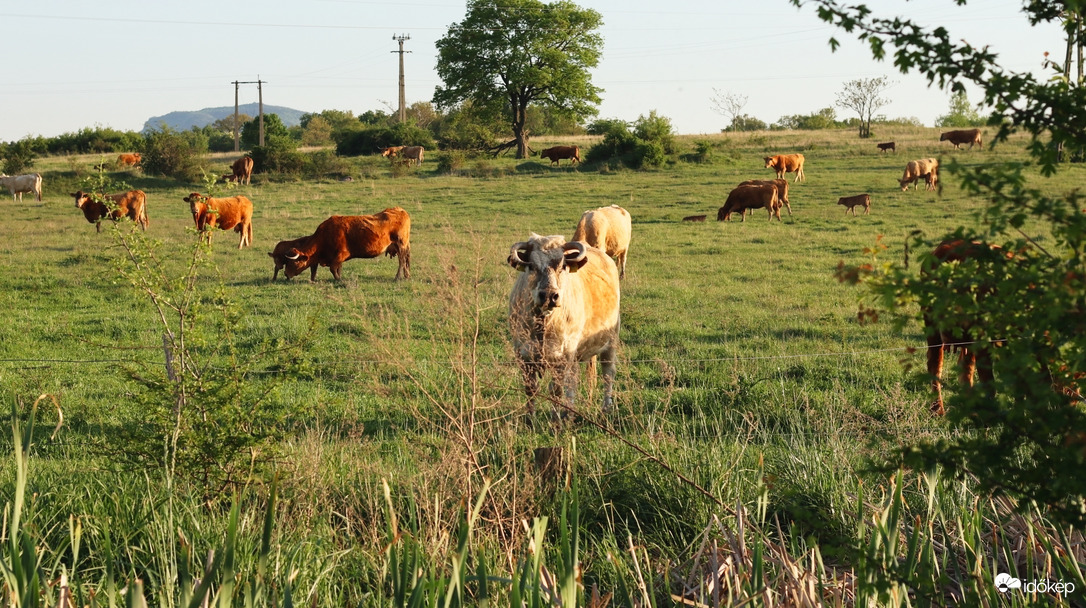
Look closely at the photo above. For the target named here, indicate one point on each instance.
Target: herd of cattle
(563, 308)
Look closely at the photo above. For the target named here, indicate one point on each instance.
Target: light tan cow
(19, 184)
(927, 168)
(609, 229)
(563, 309)
(786, 163)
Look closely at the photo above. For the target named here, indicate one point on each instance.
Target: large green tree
(508, 54)
(1025, 433)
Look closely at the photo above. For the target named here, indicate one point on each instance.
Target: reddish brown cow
(131, 204)
(344, 237)
(889, 145)
(750, 197)
(780, 184)
(241, 171)
(557, 153)
(130, 160)
(786, 163)
(975, 358)
(963, 136)
(224, 213)
(851, 202)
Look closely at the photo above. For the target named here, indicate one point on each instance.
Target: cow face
(288, 259)
(80, 197)
(547, 260)
(769, 162)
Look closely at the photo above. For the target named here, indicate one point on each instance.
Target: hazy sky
(115, 63)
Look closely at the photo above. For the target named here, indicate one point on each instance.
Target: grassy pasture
(743, 366)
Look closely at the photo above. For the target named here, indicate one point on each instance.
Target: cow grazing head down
(288, 259)
(547, 260)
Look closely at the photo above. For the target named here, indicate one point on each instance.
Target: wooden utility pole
(260, 95)
(403, 98)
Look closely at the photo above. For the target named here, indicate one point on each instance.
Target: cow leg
(98, 226)
(607, 362)
(935, 370)
(622, 265)
(968, 360)
(313, 273)
(789, 207)
(532, 372)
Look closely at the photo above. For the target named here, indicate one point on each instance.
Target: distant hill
(183, 121)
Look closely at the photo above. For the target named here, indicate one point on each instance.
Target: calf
(609, 229)
(18, 184)
(563, 309)
(344, 237)
(225, 213)
(131, 204)
(889, 145)
(851, 202)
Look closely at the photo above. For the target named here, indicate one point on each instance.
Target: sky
(72, 64)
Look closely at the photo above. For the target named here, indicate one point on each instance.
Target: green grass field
(743, 367)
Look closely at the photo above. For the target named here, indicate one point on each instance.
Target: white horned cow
(609, 229)
(564, 309)
(18, 184)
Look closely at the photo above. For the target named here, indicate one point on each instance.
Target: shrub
(279, 154)
(650, 144)
(450, 161)
(374, 139)
(177, 155)
(18, 157)
(324, 162)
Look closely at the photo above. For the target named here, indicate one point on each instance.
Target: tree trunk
(520, 134)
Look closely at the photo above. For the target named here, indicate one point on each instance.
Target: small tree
(273, 127)
(864, 96)
(961, 113)
(746, 122)
(727, 103)
(509, 54)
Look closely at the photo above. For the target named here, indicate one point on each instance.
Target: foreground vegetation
(385, 418)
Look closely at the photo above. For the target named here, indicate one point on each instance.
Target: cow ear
(575, 255)
(517, 256)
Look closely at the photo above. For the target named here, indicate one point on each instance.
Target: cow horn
(292, 257)
(516, 256)
(576, 255)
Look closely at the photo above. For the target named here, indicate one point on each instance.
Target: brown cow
(557, 153)
(130, 160)
(851, 202)
(750, 197)
(889, 145)
(392, 151)
(963, 136)
(224, 213)
(928, 168)
(241, 171)
(780, 184)
(131, 204)
(786, 163)
(975, 357)
(344, 237)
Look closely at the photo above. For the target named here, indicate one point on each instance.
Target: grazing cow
(963, 136)
(928, 168)
(786, 163)
(224, 213)
(753, 196)
(563, 309)
(131, 204)
(18, 184)
(780, 184)
(851, 202)
(392, 151)
(413, 154)
(609, 229)
(344, 237)
(241, 171)
(557, 153)
(889, 145)
(129, 160)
